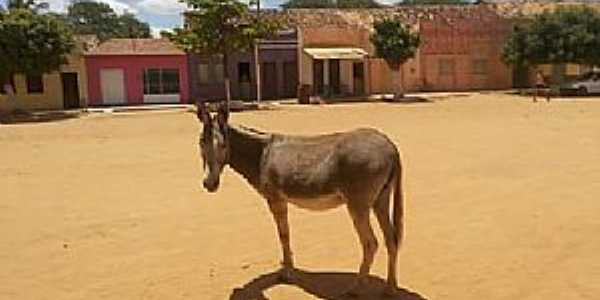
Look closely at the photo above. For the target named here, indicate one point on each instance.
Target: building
(63, 89)
(137, 71)
(460, 50)
(279, 71)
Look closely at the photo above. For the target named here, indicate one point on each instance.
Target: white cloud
(155, 31)
(162, 7)
(118, 6)
(58, 5)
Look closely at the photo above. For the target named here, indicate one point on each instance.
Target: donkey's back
(324, 171)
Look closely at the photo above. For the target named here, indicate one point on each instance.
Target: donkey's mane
(251, 131)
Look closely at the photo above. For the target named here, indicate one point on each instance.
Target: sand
(502, 202)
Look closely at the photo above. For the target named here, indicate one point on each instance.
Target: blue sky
(161, 14)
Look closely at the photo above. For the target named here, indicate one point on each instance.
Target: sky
(160, 14)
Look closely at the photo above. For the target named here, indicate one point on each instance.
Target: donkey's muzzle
(211, 185)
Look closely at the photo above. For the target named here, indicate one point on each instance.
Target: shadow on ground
(327, 285)
(404, 100)
(38, 117)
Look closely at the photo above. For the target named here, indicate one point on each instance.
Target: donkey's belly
(321, 202)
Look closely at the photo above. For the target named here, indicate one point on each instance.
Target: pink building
(137, 71)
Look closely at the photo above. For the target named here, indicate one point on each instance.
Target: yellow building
(63, 89)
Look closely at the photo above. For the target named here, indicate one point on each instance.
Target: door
(112, 82)
(334, 76)
(290, 79)
(269, 83)
(317, 77)
(70, 90)
(358, 76)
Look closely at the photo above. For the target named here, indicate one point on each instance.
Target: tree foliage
(567, 35)
(26, 4)
(434, 2)
(331, 4)
(220, 27)
(91, 17)
(32, 43)
(394, 41)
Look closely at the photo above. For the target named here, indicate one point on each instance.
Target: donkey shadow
(323, 285)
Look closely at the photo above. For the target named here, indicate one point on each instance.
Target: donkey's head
(214, 144)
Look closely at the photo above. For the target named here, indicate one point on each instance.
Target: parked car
(587, 83)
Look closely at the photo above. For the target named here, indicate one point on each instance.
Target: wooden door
(70, 86)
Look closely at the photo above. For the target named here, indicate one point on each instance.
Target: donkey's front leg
(279, 210)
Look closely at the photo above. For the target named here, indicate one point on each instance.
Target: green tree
(221, 27)
(434, 2)
(331, 4)
(26, 4)
(395, 43)
(91, 17)
(567, 35)
(32, 43)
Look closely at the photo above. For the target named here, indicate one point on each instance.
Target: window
(161, 81)
(480, 66)
(244, 72)
(219, 73)
(446, 66)
(4, 81)
(35, 84)
(203, 73)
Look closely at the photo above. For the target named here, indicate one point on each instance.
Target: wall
(216, 91)
(52, 97)
(133, 68)
(463, 41)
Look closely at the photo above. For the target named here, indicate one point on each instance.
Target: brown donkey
(359, 168)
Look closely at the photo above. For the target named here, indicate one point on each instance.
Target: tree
(567, 35)
(395, 43)
(220, 27)
(26, 4)
(434, 2)
(91, 17)
(330, 4)
(32, 43)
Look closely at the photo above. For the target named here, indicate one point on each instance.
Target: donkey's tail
(398, 211)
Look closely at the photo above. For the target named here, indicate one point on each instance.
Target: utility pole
(256, 57)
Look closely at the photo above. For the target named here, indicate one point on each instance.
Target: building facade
(63, 89)
(279, 71)
(137, 71)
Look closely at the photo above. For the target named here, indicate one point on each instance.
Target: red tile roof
(136, 47)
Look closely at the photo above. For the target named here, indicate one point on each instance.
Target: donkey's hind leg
(362, 224)
(382, 211)
(279, 210)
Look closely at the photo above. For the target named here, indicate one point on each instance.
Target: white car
(587, 83)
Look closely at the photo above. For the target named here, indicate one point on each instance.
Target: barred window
(35, 84)
(480, 66)
(161, 81)
(446, 66)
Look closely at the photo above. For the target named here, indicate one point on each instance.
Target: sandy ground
(502, 200)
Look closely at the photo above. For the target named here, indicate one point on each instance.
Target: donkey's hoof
(391, 291)
(286, 275)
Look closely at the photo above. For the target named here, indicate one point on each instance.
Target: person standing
(540, 84)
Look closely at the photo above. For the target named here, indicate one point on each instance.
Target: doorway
(70, 86)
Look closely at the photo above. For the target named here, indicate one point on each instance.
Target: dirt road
(502, 200)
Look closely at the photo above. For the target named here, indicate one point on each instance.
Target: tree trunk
(226, 78)
(398, 88)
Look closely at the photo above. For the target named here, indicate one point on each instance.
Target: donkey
(359, 168)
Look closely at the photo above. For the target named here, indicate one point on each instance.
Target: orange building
(461, 47)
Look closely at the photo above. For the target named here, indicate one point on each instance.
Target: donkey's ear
(202, 112)
(223, 115)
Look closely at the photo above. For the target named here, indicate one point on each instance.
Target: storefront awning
(336, 53)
